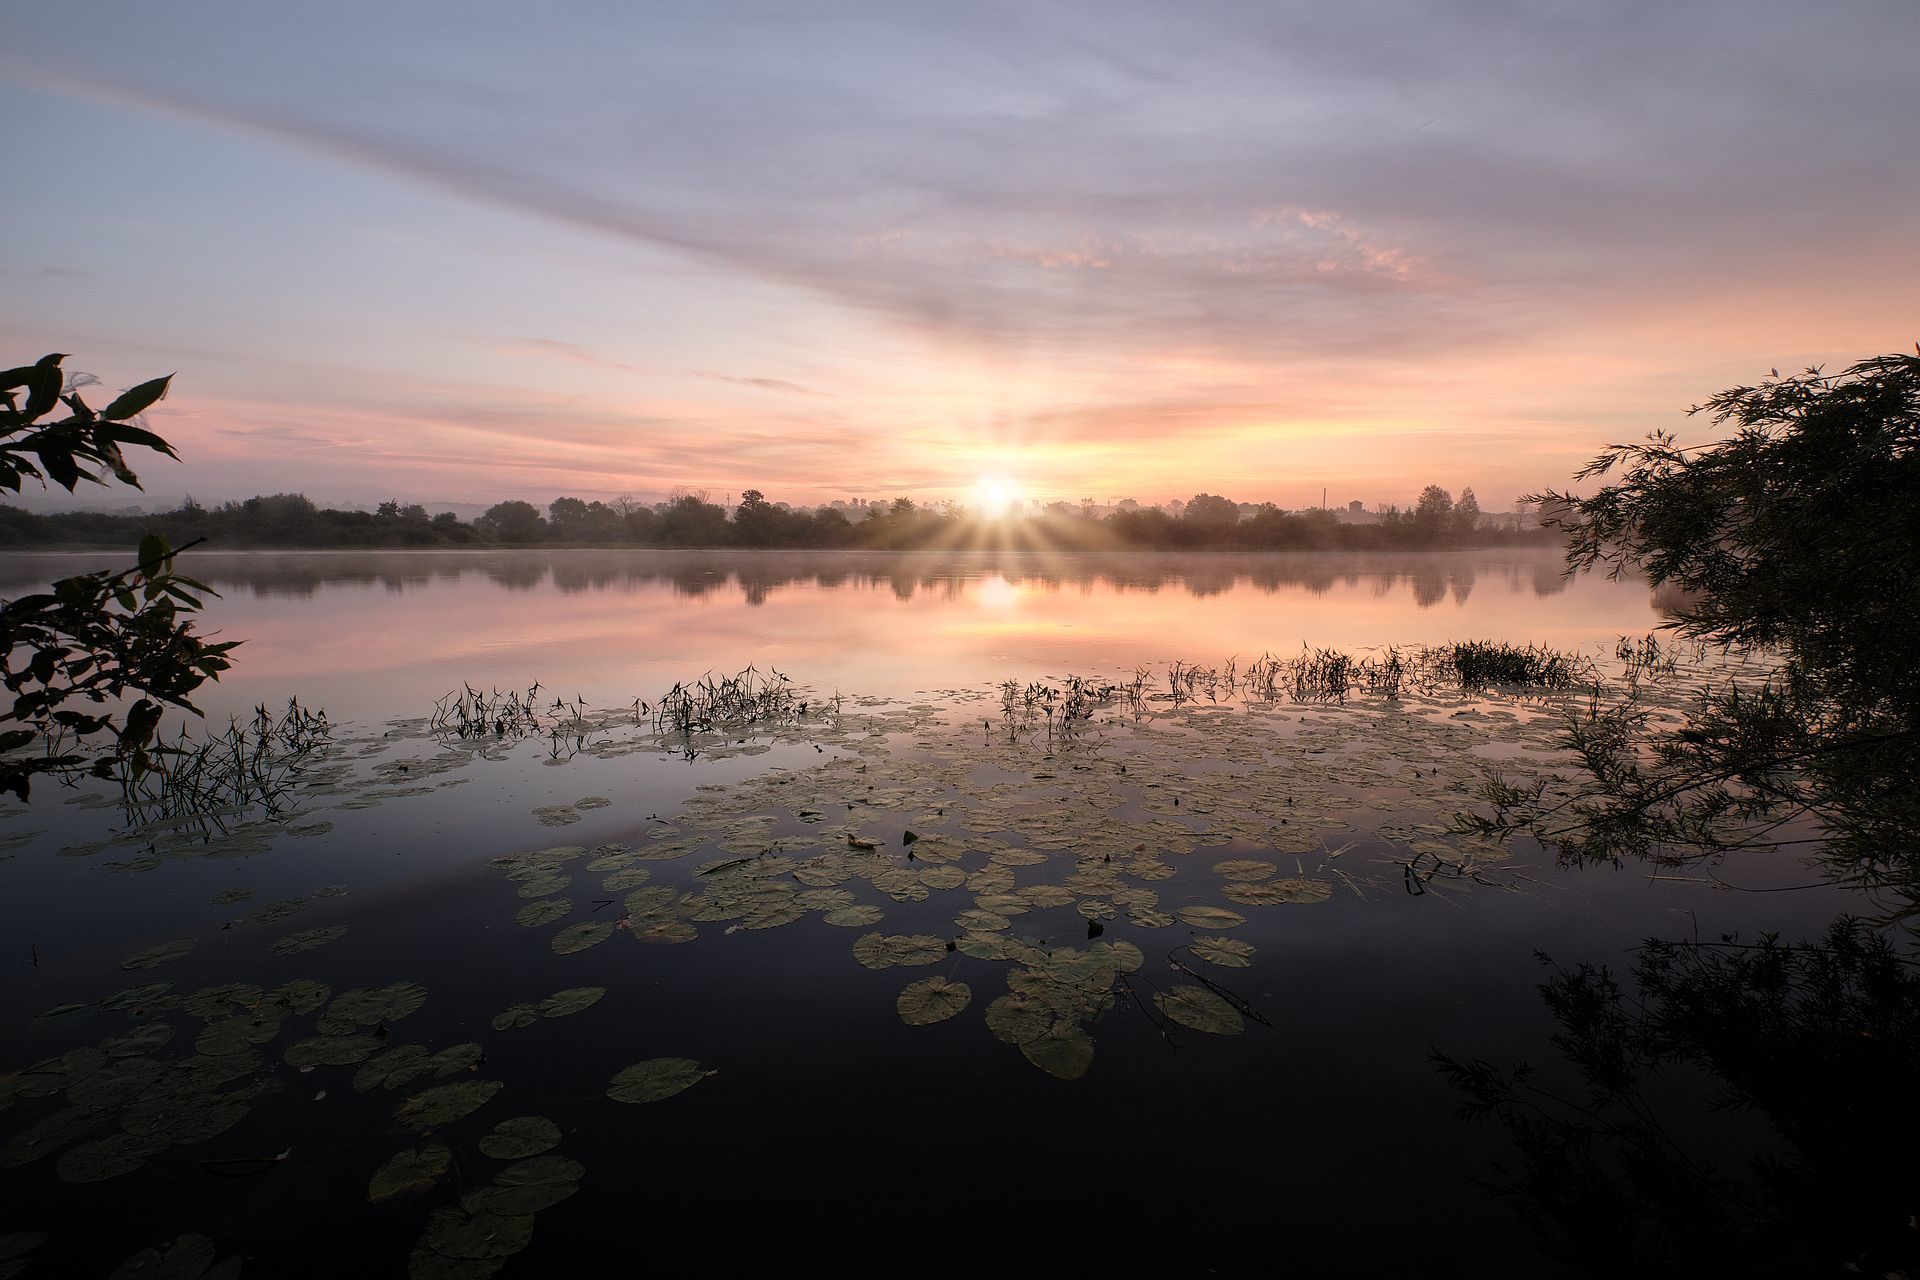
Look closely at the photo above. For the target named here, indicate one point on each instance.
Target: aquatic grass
(256, 762)
(1479, 664)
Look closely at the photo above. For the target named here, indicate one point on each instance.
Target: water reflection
(1429, 578)
(375, 633)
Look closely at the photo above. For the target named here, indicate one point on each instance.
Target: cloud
(764, 384)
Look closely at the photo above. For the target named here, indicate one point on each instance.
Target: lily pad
(443, 1104)
(932, 1000)
(543, 912)
(1278, 892)
(308, 939)
(154, 957)
(1210, 917)
(302, 995)
(1064, 1051)
(516, 1016)
(856, 916)
(882, 951)
(1243, 869)
(370, 1006)
(332, 1051)
(188, 1257)
(521, 1137)
(456, 1233)
(578, 937)
(527, 1186)
(572, 1000)
(409, 1172)
(109, 1157)
(1200, 1009)
(1229, 953)
(655, 1079)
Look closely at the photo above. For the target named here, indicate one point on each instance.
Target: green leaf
(444, 1104)
(1200, 1009)
(562, 1003)
(409, 1172)
(932, 1000)
(135, 400)
(154, 957)
(527, 1187)
(521, 1137)
(655, 1079)
(1229, 953)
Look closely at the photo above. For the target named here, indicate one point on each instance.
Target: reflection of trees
(1809, 1050)
(762, 574)
(1429, 585)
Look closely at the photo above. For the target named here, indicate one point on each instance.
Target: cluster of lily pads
(1115, 867)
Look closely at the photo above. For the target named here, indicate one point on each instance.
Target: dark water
(1318, 1141)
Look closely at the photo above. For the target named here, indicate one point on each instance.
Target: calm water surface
(1317, 1141)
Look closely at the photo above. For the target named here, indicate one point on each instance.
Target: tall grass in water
(1479, 664)
(252, 762)
(747, 698)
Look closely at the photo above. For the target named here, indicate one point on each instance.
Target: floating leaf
(399, 1066)
(188, 1257)
(1064, 1052)
(543, 912)
(527, 1187)
(655, 1079)
(578, 937)
(521, 1137)
(302, 995)
(134, 997)
(370, 1006)
(932, 1000)
(154, 957)
(1229, 953)
(332, 1051)
(209, 1002)
(455, 1233)
(857, 916)
(1243, 869)
(63, 1010)
(308, 939)
(141, 1040)
(1277, 892)
(666, 932)
(516, 1016)
(456, 1057)
(443, 1104)
(109, 1157)
(1200, 1009)
(881, 951)
(409, 1172)
(572, 1000)
(1210, 917)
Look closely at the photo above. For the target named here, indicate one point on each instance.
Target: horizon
(1085, 253)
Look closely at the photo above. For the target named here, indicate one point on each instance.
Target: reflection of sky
(465, 252)
(372, 635)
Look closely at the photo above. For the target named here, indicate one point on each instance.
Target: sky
(463, 252)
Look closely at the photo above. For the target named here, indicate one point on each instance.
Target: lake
(902, 951)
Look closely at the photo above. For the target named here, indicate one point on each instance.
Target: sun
(993, 497)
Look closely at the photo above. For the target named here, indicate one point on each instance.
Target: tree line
(1204, 522)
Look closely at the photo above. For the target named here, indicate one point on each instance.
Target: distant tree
(1466, 514)
(1433, 514)
(567, 517)
(512, 521)
(691, 521)
(756, 522)
(1211, 509)
(388, 510)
